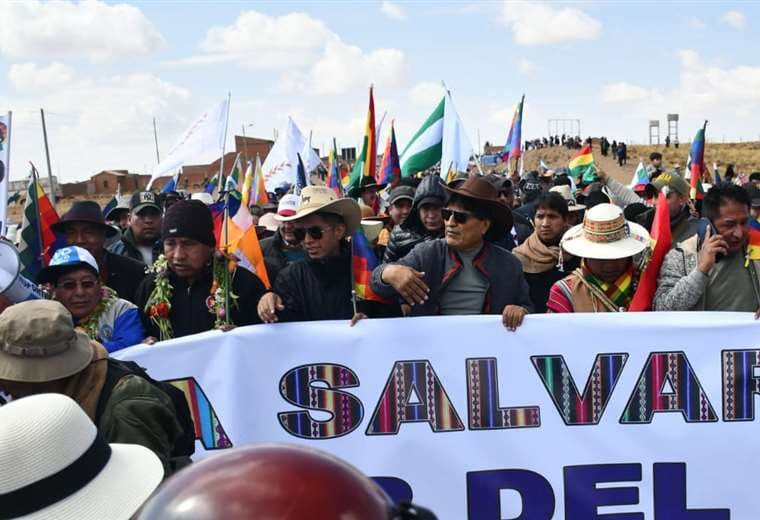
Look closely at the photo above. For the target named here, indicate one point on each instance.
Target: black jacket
(190, 314)
(128, 247)
(122, 274)
(274, 258)
(313, 290)
(539, 284)
(440, 264)
(411, 232)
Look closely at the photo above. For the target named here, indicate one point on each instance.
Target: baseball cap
(65, 258)
(143, 199)
(401, 192)
(673, 181)
(288, 205)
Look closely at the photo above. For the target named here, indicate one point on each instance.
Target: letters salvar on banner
(202, 138)
(572, 416)
(5, 163)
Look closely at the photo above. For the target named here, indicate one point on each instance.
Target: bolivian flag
(753, 244)
(582, 165)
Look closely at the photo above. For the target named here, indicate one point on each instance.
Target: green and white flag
(424, 150)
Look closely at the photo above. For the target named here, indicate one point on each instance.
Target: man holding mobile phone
(711, 271)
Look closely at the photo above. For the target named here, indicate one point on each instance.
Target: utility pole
(47, 157)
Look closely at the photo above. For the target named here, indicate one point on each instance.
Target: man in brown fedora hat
(463, 273)
(84, 226)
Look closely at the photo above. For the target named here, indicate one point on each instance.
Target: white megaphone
(13, 285)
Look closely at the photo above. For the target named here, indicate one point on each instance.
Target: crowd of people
(493, 244)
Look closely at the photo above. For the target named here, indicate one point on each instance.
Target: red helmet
(272, 482)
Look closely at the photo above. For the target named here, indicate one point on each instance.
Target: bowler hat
(486, 197)
(84, 211)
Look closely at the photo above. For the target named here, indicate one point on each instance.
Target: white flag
(281, 164)
(456, 149)
(311, 160)
(205, 135)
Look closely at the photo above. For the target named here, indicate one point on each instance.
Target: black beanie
(189, 219)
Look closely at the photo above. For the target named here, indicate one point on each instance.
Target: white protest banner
(205, 135)
(5, 164)
(628, 416)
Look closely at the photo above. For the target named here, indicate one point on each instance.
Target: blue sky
(103, 70)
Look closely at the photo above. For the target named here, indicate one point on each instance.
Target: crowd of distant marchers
(104, 434)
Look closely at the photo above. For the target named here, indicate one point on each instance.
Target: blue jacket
(120, 326)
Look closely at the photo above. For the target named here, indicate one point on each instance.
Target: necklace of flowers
(90, 323)
(159, 303)
(221, 299)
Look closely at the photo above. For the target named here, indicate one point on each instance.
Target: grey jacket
(507, 285)
(681, 286)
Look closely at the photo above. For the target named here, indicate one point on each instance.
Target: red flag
(661, 242)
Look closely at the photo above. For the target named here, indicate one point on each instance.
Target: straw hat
(38, 343)
(605, 235)
(321, 199)
(55, 465)
(269, 221)
(572, 204)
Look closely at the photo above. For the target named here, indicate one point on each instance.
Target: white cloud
(696, 23)
(30, 76)
(91, 29)
(526, 67)
(392, 10)
(314, 59)
(537, 23)
(626, 92)
(735, 19)
(426, 94)
(94, 123)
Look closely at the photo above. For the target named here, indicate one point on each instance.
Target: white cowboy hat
(269, 221)
(572, 204)
(605, 235)
(204, 197)
(372, 229)
(321, 199)
(54, 464)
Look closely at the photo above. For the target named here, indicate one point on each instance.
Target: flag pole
(224, 143)
(155, 139)
(353, 282)
(4, 226)
(47, 158)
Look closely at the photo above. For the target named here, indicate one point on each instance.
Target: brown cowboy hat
(486, 197)
(85, 211)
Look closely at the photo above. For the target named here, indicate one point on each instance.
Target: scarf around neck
(535, 256)
(619, 292)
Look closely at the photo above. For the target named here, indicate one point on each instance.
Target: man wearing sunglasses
(463, 273)
(319, 287)
(106, 318)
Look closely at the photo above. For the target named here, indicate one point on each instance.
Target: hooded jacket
(412, 232)
(127, 246)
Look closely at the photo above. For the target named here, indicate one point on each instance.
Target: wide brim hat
(87, 211)
(605, 235)
(38, 343)
(320, 199)
(57, 430)
(367, 181)
(487, 197)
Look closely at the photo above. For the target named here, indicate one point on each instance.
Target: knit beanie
(189, 219)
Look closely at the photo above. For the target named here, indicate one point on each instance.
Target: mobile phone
(714, 230)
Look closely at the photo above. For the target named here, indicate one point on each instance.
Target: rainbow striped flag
(390, 168)
(364, 262)
(512, 148)
(753, 244)
(38, 240)
(582, 165)
(365, 163)
(697, 167)
(334, 181)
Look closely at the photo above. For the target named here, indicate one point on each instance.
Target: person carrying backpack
(42, 352)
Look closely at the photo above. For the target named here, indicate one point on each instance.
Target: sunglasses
(314, 232)
(460, 217)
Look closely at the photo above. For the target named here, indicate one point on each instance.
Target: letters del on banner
(626, 417)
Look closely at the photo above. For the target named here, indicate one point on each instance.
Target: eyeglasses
(71, 285)
(314, 232)
(460, 217)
